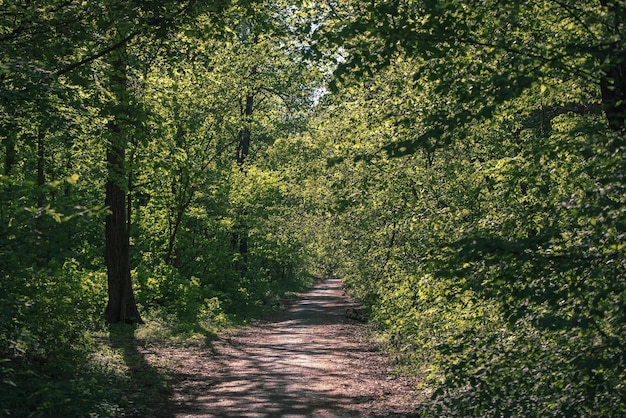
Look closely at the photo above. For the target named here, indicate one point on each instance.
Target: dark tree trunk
(182, 193)
(10, 154)
(613, 82)
(121, 306)
(243, 149)
(174, 226)
(41, 162)
(43, 249)
(613, 87)
(240, 238)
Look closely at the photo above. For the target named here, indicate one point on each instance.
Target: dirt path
(308, 361)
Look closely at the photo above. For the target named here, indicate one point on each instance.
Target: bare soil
(309, 360)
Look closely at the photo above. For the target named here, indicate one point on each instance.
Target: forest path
(307, 361)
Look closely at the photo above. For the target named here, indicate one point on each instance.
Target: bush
(46, 317)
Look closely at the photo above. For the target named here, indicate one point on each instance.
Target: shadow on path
(308, 361)
(147, 383)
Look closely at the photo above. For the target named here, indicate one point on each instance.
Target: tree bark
(10, 154)
(613, 82)
(240, 238)
(41, 155)
(182, 195)
(121, 306)
(613, 87)
(243, 148)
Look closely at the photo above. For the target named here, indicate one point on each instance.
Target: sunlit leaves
(499, 156)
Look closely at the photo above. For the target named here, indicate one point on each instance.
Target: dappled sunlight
(306, 361)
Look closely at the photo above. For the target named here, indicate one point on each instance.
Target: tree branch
(94, 57)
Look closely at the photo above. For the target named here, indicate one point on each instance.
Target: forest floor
(308, 360)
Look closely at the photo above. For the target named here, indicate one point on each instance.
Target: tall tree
(147, 22)
(121, 305)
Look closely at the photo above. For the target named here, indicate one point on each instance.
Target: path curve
(307, 361)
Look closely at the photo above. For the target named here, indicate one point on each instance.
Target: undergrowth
(59, 359)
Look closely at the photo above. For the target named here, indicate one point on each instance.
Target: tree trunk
(41, 155)
(174, 226)
(10, 154)
(243, 149)
(613, 82)
(240, 238)
(182, 195)
(613, 87)
(121, 306)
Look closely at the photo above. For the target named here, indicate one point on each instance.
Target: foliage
(463, 171)
(49, 313)
(160, 83)
(483, 228)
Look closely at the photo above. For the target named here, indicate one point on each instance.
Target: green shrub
(46, 319)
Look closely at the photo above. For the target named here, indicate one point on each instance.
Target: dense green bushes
(47, 317)
(51, 310)
(493, 266)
